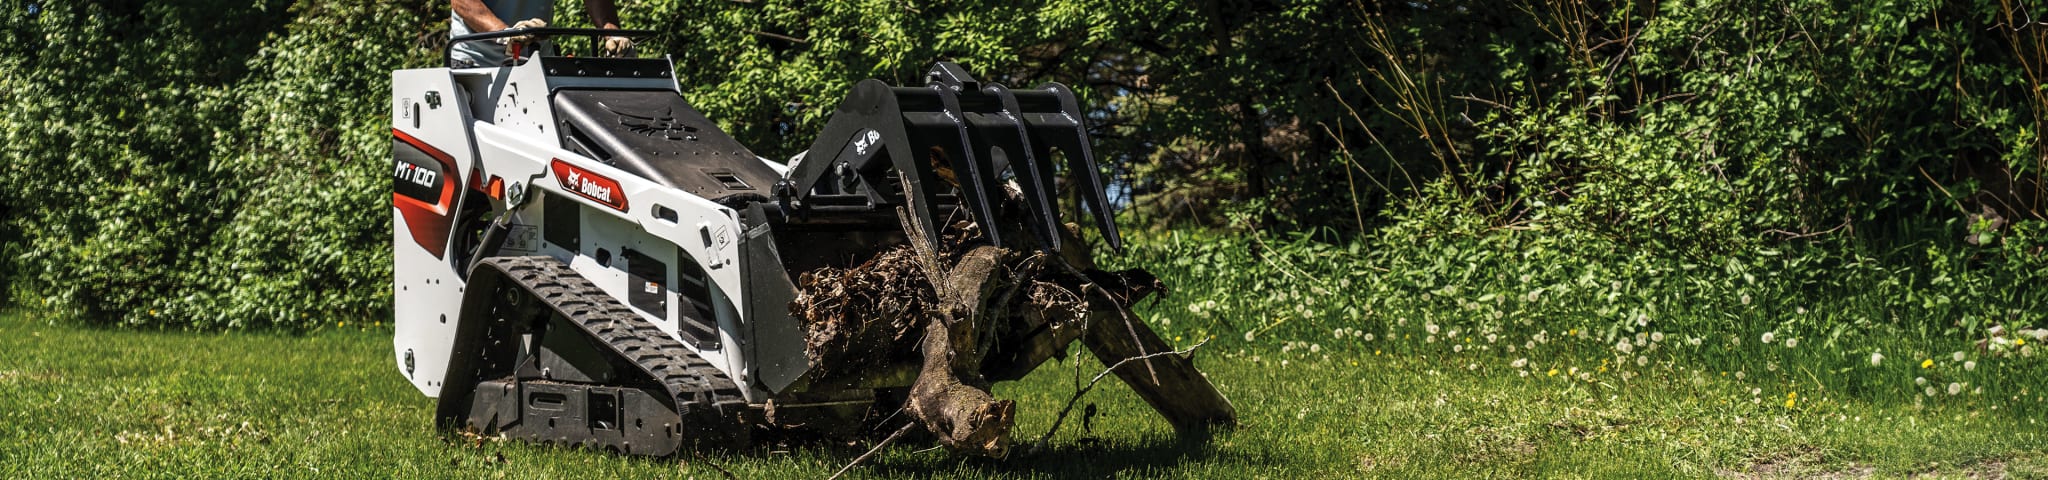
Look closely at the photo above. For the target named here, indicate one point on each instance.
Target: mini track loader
(582, 258)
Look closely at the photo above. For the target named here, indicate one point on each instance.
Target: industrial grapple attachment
(950, 144)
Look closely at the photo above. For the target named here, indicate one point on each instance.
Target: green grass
(89, 403)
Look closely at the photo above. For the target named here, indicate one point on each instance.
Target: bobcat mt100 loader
(582, 258)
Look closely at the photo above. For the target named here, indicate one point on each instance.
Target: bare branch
(1062, 418)
(872, 451)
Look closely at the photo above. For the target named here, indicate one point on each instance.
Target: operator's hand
(523, 39)
(618, 47)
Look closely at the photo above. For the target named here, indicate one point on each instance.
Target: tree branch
(1062, 418)
(872, 451)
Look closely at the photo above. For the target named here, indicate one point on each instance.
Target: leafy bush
(215, 164)
(201, 164)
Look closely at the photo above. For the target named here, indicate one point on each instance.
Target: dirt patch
(1804, 461)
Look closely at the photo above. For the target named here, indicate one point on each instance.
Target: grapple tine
(1034, 173)
(972, 168)
(1056, 122)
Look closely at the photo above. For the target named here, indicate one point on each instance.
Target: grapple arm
(948, 144)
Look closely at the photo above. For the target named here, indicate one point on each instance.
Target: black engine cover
(656, 135)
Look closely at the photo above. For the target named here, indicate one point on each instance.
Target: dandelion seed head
(1919, 380)
(1792, 342)
(1970, 366)
(1519, 363)
(1368, 337)
(1954, 388)
(1430, 327)
(1745, 299)
(1642, 361)
(1958, 356)
(1930, 391)
(1768, 336)
(1657, 336)
(1876, 359)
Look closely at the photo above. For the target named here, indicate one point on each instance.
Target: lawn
(93, 403)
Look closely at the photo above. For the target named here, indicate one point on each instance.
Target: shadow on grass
(1092, 457)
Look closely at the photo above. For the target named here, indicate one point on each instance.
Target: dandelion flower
(1928, 363)
(1792, 343)
(1954, 388)
(1970, 365)
(1768, 336)
(1876, 359)
(1553, 372)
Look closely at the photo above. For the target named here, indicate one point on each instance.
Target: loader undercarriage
(559, 361)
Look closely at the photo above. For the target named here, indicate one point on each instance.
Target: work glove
(523, 39)
(618, 47)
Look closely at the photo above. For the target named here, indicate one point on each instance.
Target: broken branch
(1083, 391)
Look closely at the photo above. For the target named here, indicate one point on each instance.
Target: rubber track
(709, 403)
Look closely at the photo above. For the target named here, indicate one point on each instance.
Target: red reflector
(496, 189)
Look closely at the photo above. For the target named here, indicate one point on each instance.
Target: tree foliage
(217, 163)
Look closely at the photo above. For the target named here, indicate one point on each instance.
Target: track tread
(710, 403)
